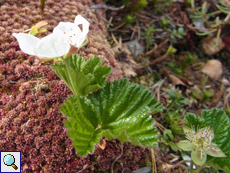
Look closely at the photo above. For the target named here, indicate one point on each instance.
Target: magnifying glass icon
(9, 160)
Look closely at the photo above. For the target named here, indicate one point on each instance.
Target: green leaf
(219, 122)
(223, 9)
(115, 111)
(181, 30)
(193, 121)
(42, 30)
(216, 166)
(184, 100)
(81, 123)
(186, 145)
(171, 50)
(205, 33)
(81, 76)
(168, 134)
(198, 156)
(215, 151)
(163, 140)
(172, 94)
(33, 31)
(173, 146)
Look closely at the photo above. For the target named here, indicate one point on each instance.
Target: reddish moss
(34, 121)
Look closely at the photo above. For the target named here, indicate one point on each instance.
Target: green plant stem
(191, 167)
(171, 105)
(68, 67)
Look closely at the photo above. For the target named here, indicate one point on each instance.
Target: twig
(155, 61)
(151, 22)
(84, 167)
(12, 82)
(158, 88)
(156, 47)
(177, 165)
(162, 128)
(136, 29)
(110, 22)
(197, 29)
(148, 16)
(214, 81)
(139, 33)
(227, 18)
(123, 30)
(132, 35)
(183, 161)
(106, 6)
(216, 99)
(115, 40)
(113, 29)
(226, 104)
(105, 20)
(197, 66)
(117, 157)
(154, 170)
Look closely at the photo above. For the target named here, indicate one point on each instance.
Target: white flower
(51, 46)
(57, 43)
(72, 32)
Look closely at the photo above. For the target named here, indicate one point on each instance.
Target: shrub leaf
(115, 111)
(219, 122)
(82, 76)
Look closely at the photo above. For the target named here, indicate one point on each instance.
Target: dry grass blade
(114, 29)
(156, 47)
(154, 169)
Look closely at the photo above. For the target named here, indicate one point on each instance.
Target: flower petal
(71, 31)
(27, 42)
(199, 157)
(214, 150)
(53, 45)
(206, 132)
(85, 28)
(186, 145)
